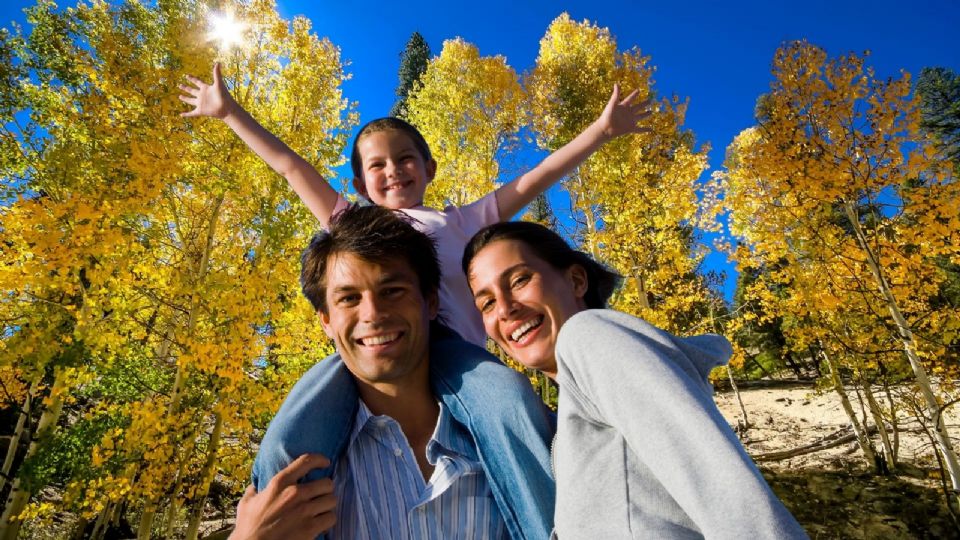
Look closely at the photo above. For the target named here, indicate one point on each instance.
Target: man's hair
(374, 234)
(388, 123)
(554, 250)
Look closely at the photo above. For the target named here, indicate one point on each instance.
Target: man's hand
(286, 509)
(208, 99)
(620, 117)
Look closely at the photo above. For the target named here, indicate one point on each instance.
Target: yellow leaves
(469, 109)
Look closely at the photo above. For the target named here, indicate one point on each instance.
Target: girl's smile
(395, 174)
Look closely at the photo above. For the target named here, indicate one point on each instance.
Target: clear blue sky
(716, 53)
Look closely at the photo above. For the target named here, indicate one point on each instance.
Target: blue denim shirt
(511, 426)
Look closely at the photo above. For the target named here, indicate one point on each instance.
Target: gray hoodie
(641, 449)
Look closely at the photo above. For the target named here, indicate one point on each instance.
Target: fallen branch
(832, 440)
(722, 385)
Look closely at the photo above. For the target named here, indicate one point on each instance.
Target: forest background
(151, 318)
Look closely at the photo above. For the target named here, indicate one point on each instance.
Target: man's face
(379, 319)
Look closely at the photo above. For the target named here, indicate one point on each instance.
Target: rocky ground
(832, 492)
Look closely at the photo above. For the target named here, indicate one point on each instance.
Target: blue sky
(716, 53)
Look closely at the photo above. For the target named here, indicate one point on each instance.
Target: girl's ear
(360, 186)
(578, 278)
(431, 169)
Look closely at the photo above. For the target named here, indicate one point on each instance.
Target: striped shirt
(381, 493)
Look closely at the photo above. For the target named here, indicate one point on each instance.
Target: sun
(227, 30)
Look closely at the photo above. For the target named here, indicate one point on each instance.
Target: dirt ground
(832, 492)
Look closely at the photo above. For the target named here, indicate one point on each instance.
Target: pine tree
(413, 62)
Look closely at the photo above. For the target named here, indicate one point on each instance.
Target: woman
(641, 450)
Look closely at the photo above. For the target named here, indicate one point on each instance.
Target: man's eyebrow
(343, 288)
(394, 277)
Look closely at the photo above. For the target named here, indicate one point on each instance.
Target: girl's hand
(624, 116)
(211, 100)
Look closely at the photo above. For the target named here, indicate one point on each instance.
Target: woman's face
(524, 300)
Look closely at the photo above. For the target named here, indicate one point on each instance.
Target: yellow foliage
(836, 195)
(469, 109)
(635, 199)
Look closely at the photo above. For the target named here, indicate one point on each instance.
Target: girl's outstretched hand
(211, 100)
(624, 116)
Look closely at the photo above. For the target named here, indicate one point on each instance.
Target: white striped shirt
(381, 493)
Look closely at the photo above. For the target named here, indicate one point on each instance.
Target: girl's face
(395, 174)
(524, 300)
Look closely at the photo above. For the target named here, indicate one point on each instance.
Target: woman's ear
(431, 167)
(578, 278)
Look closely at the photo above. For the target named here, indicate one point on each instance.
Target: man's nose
(371, 309)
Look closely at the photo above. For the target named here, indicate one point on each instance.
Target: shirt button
(397, 452)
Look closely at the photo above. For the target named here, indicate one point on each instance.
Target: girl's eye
(375, 165)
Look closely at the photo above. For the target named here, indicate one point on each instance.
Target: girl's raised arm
(214, 100)
(619, 117)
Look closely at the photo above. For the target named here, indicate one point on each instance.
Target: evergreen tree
(541, 212)
(413, 62)
(939, 90)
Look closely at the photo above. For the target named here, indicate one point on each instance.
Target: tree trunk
(176, 393)
(889, 457)
(146, 520)
(893, 417)
(858, 430)
(19, 495)
(173, 509)
(206, 476)
(736, 392)
(18, 432)
(910, 350)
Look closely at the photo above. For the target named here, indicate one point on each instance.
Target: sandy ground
(833, 492)
(784, 418)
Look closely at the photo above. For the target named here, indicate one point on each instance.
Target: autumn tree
(469, 109)
(150, 263)
(634, 200)
(839, 191)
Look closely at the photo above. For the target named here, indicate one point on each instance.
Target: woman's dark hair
(549, 246)
(388, 123)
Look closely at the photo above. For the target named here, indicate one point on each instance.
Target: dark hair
(388, 123)
(375, 234)
(549, 246)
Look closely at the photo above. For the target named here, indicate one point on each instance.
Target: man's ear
(361, 187)
(431, 166)
(578, 278)
(325, 323)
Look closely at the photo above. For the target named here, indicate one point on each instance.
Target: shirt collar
(448, 438)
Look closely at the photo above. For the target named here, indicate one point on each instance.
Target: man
(408, 459)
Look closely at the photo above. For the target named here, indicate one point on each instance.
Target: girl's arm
(619, 117)
(215, 101)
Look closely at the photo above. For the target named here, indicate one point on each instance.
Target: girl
(641, 450)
